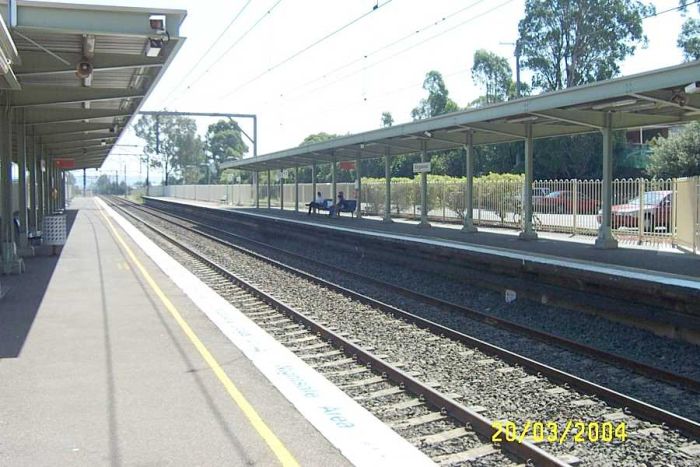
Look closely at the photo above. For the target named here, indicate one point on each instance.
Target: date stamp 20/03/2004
(554, 432)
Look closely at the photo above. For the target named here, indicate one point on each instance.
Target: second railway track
(465, 367)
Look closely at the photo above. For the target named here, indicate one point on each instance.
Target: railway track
(470, 312)
(442, 341)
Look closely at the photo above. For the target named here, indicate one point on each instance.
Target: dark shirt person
(339, 206)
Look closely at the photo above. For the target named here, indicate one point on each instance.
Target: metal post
(605, 238)
(40, 187)
(6, 233)
(269, 190)
(33, 220)
(334, 186)
(640, 212)
(517, 68)
(256, 178)
(528, 232)
(358, 173)
(313, 180)
(281, 190)
(424, 188)
(387, 190)
(574, 191)
(469, 188)
(148, 178)
(22, 241)
(296, 189)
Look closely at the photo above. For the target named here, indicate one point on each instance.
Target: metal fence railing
(643, 210)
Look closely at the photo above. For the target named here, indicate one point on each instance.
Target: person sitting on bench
(317, 203)
(339, 206)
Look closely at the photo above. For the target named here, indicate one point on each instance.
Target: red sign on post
(65, 163)
(347, 165)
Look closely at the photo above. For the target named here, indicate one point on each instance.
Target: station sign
(421, 167)
(65, 163)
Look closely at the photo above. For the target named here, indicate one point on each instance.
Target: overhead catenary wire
(307, 48)
(209, 49)
(407, 49)
(235, 43)
(390, 44)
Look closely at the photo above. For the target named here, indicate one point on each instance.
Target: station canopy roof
(80, 117)
(659, 97)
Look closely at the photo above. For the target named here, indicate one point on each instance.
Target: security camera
(84, 69)
(157, 23)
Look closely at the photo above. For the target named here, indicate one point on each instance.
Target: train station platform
(95, 367)
(548, 246)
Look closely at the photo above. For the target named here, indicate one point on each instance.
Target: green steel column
(269, 190)
(31, 161)
(313, 181)
(6, 232)
(22, 165)
(296, 189)
(605, 239)
(359, 188)
(528, 232)
(424, 188)
(334, 186)
(469, 188)
(387, 191)
(256, 178)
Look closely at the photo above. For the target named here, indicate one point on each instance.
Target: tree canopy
(224, 140)
(180, 150)
(678, 155)
(568, 43)
(438, 101)
(493, 73)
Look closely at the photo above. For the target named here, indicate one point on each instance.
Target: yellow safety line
(284, 456)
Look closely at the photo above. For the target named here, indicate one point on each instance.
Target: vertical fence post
(574, 190)
(640, 219)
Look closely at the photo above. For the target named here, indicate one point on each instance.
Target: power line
(396, 54)
(211, 47)
(225, 52)
(391, 44)
(679, 7)
(308, 47)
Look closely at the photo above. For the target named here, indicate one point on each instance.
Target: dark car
(656, 211)
(563, 201)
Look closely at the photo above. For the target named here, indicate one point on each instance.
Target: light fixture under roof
(614, 104)
(428, 134)
(153, 47)
(529, 118)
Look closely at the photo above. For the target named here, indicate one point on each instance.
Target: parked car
(656, 211)
(563, 201)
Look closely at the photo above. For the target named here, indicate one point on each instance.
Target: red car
(656, 211)
(563, 201)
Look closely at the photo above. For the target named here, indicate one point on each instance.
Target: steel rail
(635, 406)
(542, 336)
(524, 450)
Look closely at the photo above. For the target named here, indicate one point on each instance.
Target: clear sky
(343, 84)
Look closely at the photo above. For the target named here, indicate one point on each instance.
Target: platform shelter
(72, 78)
(666, 96)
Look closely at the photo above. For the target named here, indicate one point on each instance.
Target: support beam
(22, 241)
(605, 239)
(528, 232)
(313, 180)
(424, 188)
(281, 190)
(358, 186)
(334, 186)
(32, 164)
(296, 189)
(269, 190)
(256, 182)
(32, 96)
(6, 233)
(387, 191)
(469, 187)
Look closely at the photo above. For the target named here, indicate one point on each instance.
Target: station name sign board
(421, 167)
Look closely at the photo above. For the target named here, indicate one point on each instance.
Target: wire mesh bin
(54, 230)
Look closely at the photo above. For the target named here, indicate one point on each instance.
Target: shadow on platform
(24, 295)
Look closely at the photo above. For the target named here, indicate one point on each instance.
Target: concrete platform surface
(95, 371)
(653, 259)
